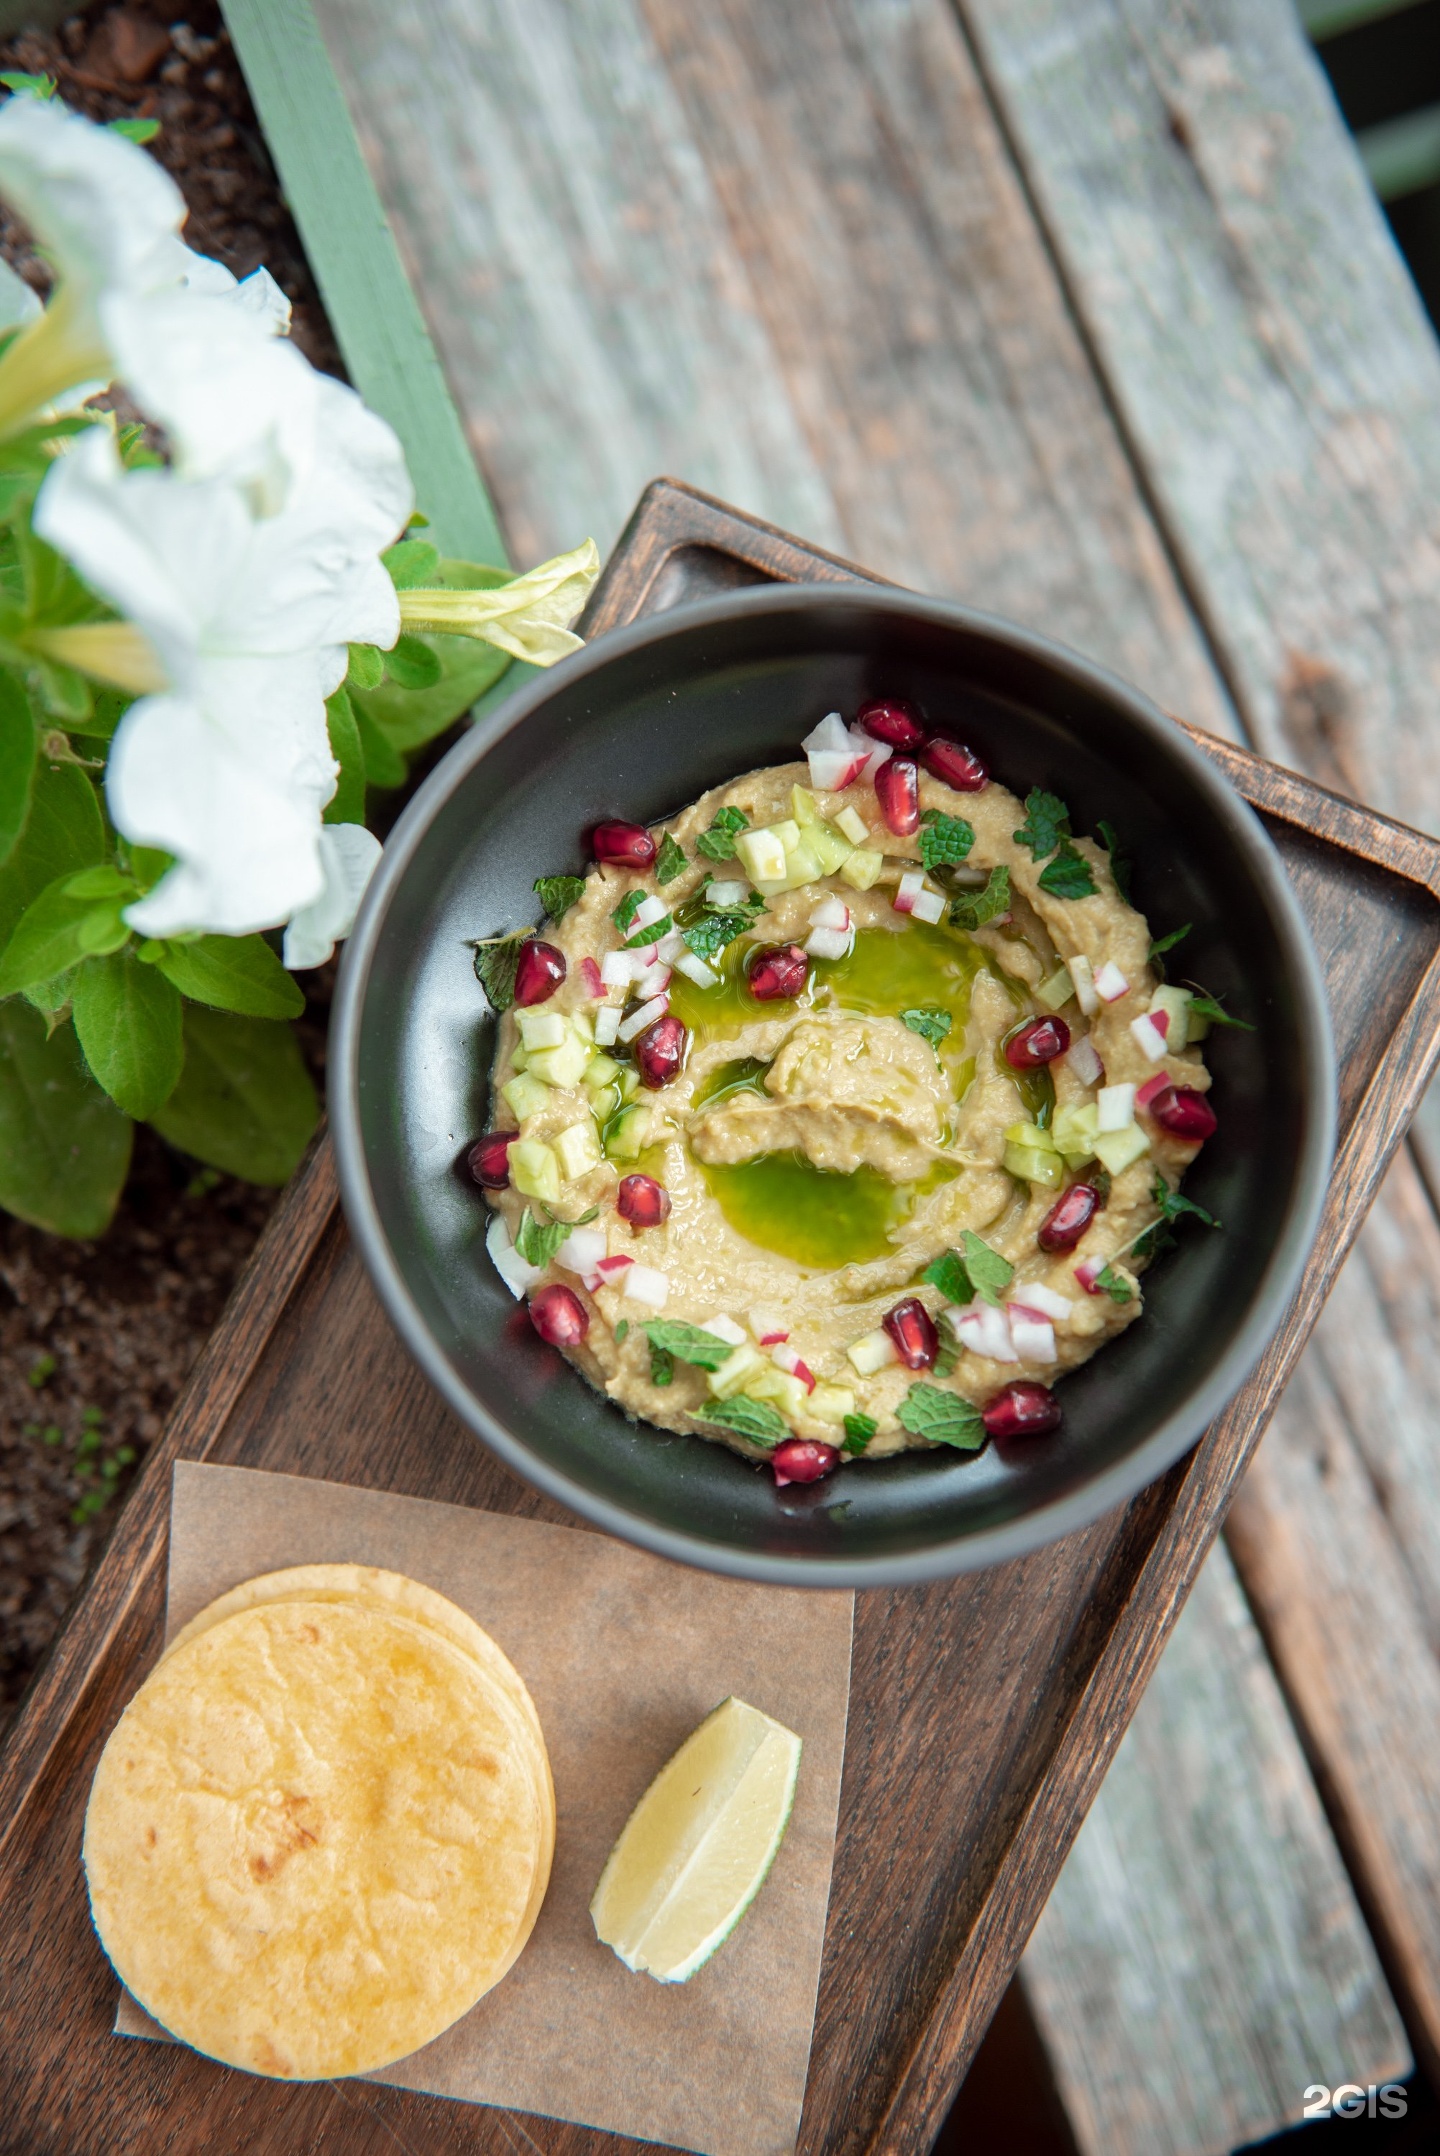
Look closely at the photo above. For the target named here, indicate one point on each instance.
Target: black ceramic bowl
(638, 725)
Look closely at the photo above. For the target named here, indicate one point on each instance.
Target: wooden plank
(373, 312)
(1202, 1950)
(782, 253)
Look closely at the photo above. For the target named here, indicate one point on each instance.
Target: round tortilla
(314, 1837)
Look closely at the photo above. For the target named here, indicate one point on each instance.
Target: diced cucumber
(806, 809)
(562, 1066)
(541, 1029)
(1118, 1149)
(578, 1149)
(862, 869)
(535, 1171)
(525, 1096)
(1031, 1137)
(830, 849)
(734, 1371)
(761, 853)
(603, 1070)
(626, 1134)
(1031, 1166)
(855, 828)
(772, 1383)
(1057, 991)
(832, 1403)
(1175, 1002)
(1073, 1131)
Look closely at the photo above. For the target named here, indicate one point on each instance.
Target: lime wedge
(694, 1853)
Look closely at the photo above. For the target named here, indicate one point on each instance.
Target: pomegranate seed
(489, 1158)
(642, 1201)
(559, 1316)
(956, 765)
(912, 1329)
(1038, 1041)
(1185, 1113)
(1023, 1409)
(625, 845)
(660, 1051)
(897, 789)
(539, 973)
(803, 1459)
(893, 719)
(777, 971)
(1068, 1218)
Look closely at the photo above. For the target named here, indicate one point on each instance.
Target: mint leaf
(944, 839)
(1047, 821)
(641, 936)
(1117, 1288)
(948, 1274)
(990, 1273)
(1203, 1006)
(688, 1343)
(64, 1147)
(127, 1021)
(627, 909)
(859, 1429)
(662, 1366)
(230, 973)
(948, 1353)
(670, 860)
(942, 1417)
(710, 934)
(718, 843)
(1168, 943)
(245, 1102)
(621, 1329)
(1069, 875)
(496, 959)
(930, 1022)
(1173, 1204)
(972, 909)
(559, 893)
(537, 1241)
(755, 1419)
(1119, 862)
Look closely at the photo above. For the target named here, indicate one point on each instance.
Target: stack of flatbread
(323, 1827)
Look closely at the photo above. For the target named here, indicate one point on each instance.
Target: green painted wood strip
(1402, 156)
(1328, 18)
(372, 309)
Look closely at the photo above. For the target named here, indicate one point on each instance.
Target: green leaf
(104, 880)
(18, 743)
(367, 667)
(718, 843)
(1116, 1286)
(230, 973)
(134, 130)
(859, 1429)
(347, 803)
(385, 767)
(496, 958)
(245, 1102)
(972, 909)
(64, 833)
(1047, 821)
(688, 1343)
(1203, 1006)
(411, 562)
(409, 718)
(127, 1021)
(1069, 875)
(1120, 867)
(948, 1274)
(1174, 1204)
(755, 1419)
(412, 663)
(943, 1417)
(107, 708)
(974, 1269)
(670, 860)
(1168, 943)
(930, 1022)
(559, 893)
(644, 936)
(51, 998)
(713, 931)
(950, 1349)
(64, 1146)
(56, 931)
(627, 909)
(944, 839)
(537, 1241)
(41, 86)
(621, 1330)
(662, 1366)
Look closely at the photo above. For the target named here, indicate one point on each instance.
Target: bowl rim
(1079, 1507)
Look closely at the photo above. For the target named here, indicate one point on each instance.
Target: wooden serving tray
(984, 1711)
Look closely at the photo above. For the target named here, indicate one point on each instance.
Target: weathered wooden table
(1079, 309)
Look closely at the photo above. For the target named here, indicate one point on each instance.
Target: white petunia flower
(348, 854)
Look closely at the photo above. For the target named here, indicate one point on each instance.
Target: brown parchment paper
(624, 1653)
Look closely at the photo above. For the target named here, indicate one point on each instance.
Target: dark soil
(96, 1338)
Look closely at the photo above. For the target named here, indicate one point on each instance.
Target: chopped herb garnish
(1069, 875)
(972, 909)
(621, 1329)
(688, 1343)
(1116, 1286)
(537, 1241)
(1047, 821)
(1119, 862)
(1173, 1204)
(859, 1429)
(713, 931)
(948, 1274)
(974, 1269)
(948, 1353)
(944, 839)
(583, 1221)
(626, 911)
(670, 860)
(1203, 1006)
(1168, 943)
(755, 1419)
(930, 1022)
(718, 843)
(943, 1417)
(559, 893)
(638, 939)
(662, 1366)
(496, 958)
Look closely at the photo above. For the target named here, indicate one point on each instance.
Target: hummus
(862, 1144)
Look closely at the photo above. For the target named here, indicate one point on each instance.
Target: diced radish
(829, 942)
(1083, 978)
(1034, 1296)
(875, 753)
(1151, 1087)
(1084, 1059)
(670, 947)
(1088, 1271)
(785, 1358)
(912, 884)
(619, 968)
(654, 980)
(831, 733)
(725, 1328)
(645, 1015)
(1115, 1107)
(720, 895)
(517, 1274)
(582, 1250)
(767, 1323)
(871, 1352)
(1110, 983)
(607, 1025)
(985, 1330)
(1032, 1334)
(612, 1268)
(773, 1339)
(1160, 1020)
(832, 912)
(647, 913)
(1147, 1037)
(696, 970)
(831, 774)
(590, 975)
(929, 906)
(643, 1284)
